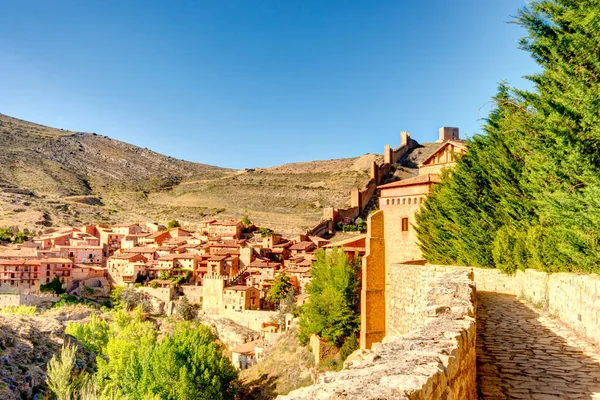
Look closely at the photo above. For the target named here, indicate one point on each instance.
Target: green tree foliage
(331, 310)
(527, 194)
(135, 363)
(281, 286)
(93, 335)
(185, 310)
(5, 235)
(246, 221)
(20, 237)
(173, 224)
(265, 232)
(60, 373)
(54, 286)
(131, 298)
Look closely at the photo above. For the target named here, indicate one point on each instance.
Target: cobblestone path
(523, 353)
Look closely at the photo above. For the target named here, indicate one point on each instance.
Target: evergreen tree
(527, 193)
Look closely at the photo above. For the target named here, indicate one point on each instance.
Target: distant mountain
(51, 161)
(52, 177)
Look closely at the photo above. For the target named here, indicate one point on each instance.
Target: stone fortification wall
(18, 299)
(162, 294)
(252, 319)
(193, 293)
(406, 304)
(434, 360)
(571, 297)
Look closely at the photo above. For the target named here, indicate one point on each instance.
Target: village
(225, 268)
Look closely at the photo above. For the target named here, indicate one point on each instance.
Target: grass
(19, 310)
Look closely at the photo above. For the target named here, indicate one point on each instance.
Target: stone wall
(434, 360)
(406, 291)
(193, 293)
(18, 299)
(571, 297)
(162, 294)
(252, 319)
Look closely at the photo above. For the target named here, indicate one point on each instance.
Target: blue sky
(258, 83)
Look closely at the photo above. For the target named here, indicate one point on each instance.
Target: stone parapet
(433, 360)
(573, 298)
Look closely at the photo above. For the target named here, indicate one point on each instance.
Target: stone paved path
(523, 353)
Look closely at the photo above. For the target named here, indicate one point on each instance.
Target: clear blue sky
(258, 83)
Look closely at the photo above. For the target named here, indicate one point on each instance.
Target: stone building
(391, 236)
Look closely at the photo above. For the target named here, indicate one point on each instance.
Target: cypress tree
(527, 193)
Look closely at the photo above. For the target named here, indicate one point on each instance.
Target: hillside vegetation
(55, 177)
(527, 193)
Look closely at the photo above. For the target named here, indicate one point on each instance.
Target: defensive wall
(430, 352)
(22, 299)
(572, 298)
(193, 293)
(361, 197)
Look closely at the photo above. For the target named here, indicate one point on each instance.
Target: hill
(53, 177)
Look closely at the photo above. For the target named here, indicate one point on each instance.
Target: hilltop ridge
(54, 177)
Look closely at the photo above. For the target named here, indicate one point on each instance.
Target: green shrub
(20, 310)
(54, 286)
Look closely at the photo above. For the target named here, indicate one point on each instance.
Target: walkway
(522, 353)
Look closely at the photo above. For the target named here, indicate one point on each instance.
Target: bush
(173, 224)
(349, 346)
(54, 286)
(131, 298)
(265, 232)
(20, 310)
(185, 310)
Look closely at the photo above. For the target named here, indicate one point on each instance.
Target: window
(404, 224)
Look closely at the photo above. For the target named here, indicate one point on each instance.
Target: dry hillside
(53, 177)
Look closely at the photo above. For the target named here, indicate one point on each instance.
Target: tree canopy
(332, 307)
(134, 362)
(280, 288)
(527, 194)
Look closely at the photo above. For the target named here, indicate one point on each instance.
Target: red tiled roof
(302, 246)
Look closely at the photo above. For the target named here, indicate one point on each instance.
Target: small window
(409, 201)
(404, 224)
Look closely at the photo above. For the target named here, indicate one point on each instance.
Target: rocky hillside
(53, 177)
(27, 343)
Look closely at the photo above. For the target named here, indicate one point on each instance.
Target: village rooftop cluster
(245, 263)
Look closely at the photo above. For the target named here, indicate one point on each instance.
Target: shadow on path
(523, 354)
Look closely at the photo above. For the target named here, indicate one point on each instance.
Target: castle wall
(252, 319)
(212, 292)
(18, 299)
(163, 294)
(193, 293)
(436, 359)
(573, 298)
